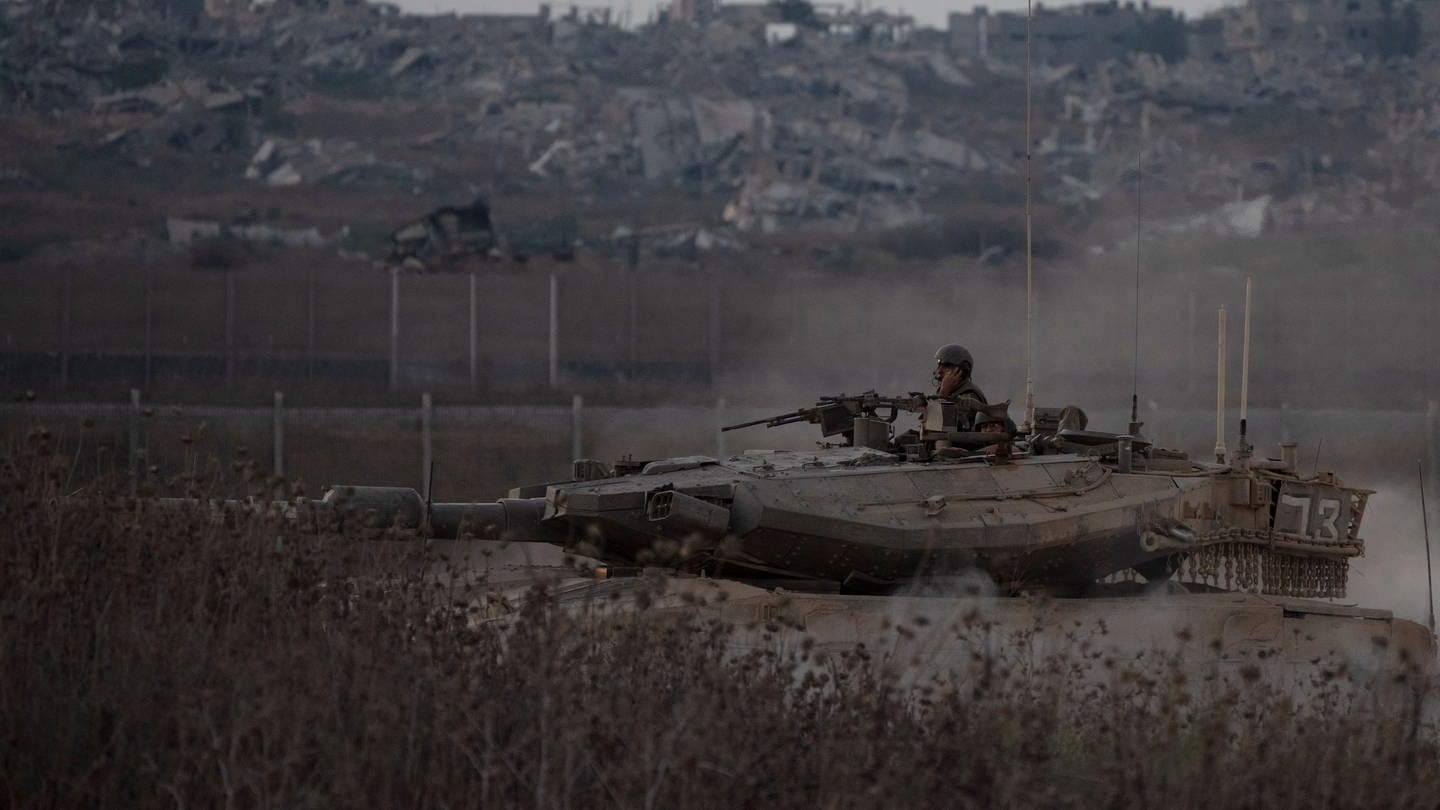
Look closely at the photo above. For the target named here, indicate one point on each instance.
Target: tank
(1058, 509)
(1055, 542)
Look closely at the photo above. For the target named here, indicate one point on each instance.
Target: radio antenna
(1029, 270)
(1135, 423)
(1220, 393)
(1425, 521)
(1243, 449)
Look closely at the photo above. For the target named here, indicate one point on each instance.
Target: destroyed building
(1372, 27)
(1088, 33)
(354, 115)
(1084, 34)
(239, 9)
(444, 235)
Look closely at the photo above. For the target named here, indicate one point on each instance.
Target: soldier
(1003, 428)
(953, 365)
(985, 423)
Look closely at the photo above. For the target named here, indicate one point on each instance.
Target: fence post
(394, 328)
(1190, 342)
(134, 441)
(474, 334)
(310, 322)
(554, 376)
(577, 445)
(67, 290)
(1349, 351)
(1432, 441)
(149, 323)
(719, 428)
(714, 329)
(632, 330)
(427, 456)
(229, 328)
(278, 432)
(1430, 308)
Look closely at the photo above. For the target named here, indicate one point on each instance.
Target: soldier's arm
(968, 402)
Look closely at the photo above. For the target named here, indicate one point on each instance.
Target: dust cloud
(1342, 336)
(1392, 574)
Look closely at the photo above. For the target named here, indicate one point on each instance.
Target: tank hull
(866, 521)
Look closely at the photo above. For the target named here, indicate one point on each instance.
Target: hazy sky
(927, 12)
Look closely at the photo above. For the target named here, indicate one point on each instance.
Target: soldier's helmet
(1006, 423)
(956, 355)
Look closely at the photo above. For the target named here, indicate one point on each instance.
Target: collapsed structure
(770, 121)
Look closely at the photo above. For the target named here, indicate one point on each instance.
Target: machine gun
(864, 419)
(836, 415)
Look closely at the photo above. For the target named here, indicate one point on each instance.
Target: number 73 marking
(1325, 518)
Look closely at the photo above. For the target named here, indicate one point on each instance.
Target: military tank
(1059, 509)
(1057, 541)
(1060, 542)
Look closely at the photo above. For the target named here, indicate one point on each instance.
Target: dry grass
(173, 662)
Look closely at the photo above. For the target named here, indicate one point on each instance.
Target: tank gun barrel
(402, 508)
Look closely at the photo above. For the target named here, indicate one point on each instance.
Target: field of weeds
(175, 662)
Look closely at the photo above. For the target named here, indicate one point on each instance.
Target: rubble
(337, 161)
(186, 232)
(1245, 218)
(444, 236)
(854, 126)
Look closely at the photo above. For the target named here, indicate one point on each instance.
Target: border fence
(742, 333)
(501, 329)
(478, 452)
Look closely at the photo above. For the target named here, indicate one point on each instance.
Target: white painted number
(1327, 518)
(1327, 532)
(1302, 509)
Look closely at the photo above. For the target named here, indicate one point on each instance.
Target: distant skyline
(931, 13)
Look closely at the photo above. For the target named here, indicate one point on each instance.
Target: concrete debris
(413, 57)
(562, 146)
(945, 70)
(781, 33)
(686, 241)
(848, 124)
(719, 122)
(284, 162)
(927, 146)
(767, 208)
(1245, 218)
(1074, 191)
(456, 237)
(689, 242)
(169, 96)
(187, 232)
(444, 237)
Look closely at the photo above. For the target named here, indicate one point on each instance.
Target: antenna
(1220, 394)
(1243, 450)
(1029, 265)
(1425, 521)
(1135, 423)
